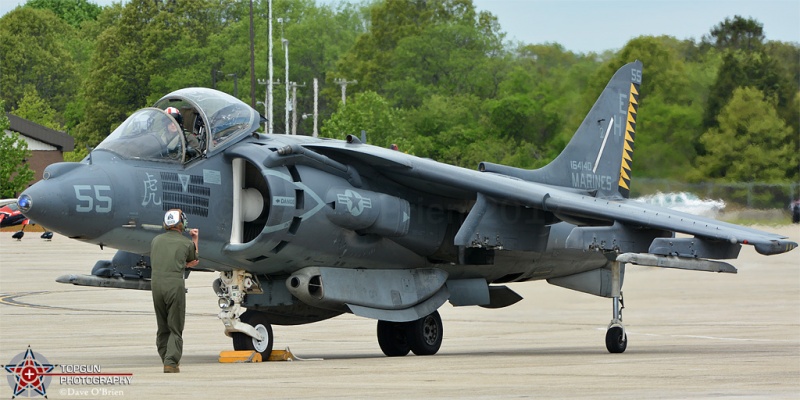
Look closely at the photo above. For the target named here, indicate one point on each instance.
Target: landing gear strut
(249, 330)
(616, 339)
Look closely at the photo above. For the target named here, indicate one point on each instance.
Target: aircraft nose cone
(41, 204)
(73, 199)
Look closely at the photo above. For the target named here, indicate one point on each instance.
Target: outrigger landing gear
(616, 339)
(249, 330)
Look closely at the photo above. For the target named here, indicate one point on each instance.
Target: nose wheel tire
(243, 341)
(616, 339)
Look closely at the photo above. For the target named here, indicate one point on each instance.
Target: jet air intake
(249, 208)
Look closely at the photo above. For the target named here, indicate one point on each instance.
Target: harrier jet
(303, 229)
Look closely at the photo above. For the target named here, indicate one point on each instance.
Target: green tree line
(437, 78)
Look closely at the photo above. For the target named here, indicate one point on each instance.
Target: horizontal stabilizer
(693, 264)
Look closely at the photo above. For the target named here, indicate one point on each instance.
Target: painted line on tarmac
(12, 299)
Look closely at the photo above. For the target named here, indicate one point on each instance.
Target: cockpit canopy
(152, 134)
(148, 134)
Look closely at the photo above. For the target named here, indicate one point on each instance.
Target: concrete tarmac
(690, 335)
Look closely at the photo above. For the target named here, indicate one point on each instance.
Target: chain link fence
(753, 195)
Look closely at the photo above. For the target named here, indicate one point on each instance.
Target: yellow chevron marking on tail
(630, 133)
(628, 149)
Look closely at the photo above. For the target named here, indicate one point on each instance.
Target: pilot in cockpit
(192, 144)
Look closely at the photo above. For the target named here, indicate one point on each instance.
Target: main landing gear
(423, 337)
(616, 339)
(250, 330)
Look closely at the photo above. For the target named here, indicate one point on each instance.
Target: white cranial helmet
(173, 218)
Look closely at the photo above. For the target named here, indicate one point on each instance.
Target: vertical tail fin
(598, 159)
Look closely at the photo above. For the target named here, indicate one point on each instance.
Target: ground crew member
(170, 253)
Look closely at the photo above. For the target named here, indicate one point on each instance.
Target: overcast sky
(598, 25)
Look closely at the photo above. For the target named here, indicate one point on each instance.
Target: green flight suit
(169, 253)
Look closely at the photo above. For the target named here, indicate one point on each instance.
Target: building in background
(47, 146)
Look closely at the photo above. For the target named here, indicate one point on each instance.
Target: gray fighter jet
(303, 229)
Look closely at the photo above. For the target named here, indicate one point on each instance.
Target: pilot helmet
(175, 113)
(174, 217)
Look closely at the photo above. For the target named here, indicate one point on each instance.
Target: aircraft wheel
(425, 334)
(259, 321)
(616, 340)
(392, 338)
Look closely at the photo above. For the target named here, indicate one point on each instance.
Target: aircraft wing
(444, 180)
(638, 214)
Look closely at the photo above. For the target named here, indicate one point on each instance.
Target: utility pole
(285, 43)
(316, 96)
(294, 105)
(214, 73)
(268, 103)
(343, 83)
(252, 61)
(269, 84)
(235, 84)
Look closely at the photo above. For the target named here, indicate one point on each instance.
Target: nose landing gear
(249, 330)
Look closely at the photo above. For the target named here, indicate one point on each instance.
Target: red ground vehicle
(10, 214)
